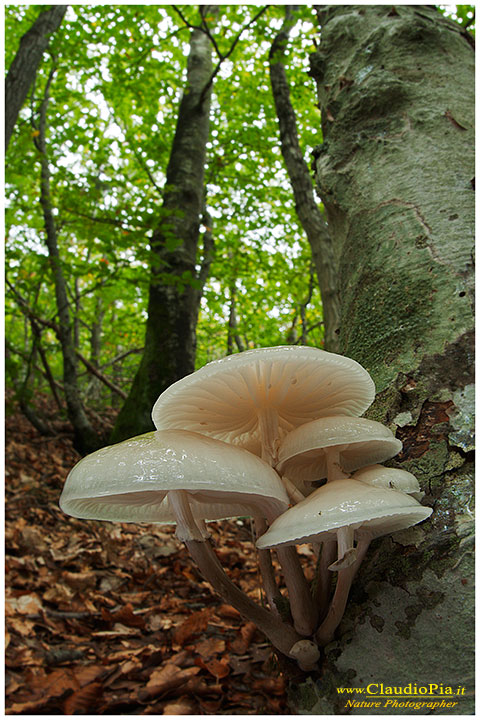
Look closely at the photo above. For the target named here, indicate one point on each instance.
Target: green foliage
(119, 76)
(463, 14)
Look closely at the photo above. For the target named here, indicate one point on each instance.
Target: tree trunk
(25, 63)
(94, 385)
(85, 438)
(300, 178)
(175, 286)
(395, 173)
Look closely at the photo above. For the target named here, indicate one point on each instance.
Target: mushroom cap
(302, 453)
(340, 504)
(381, 476)
(127, 482)
(224, 398)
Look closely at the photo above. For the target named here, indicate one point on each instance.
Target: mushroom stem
(268, 429)
(326, 631)
(334, 469)
(281, 635)
(346, 552)
(324, 577)
(187, 528)
(302, 606)
(292, 491)
(334, 472)
(266, 568)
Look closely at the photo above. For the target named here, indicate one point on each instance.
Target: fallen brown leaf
(244, 638)
(218, 668)
(81, 701)
(210, 646)
(182, 706)
(196, 623)
(168, 677)
(227, 611)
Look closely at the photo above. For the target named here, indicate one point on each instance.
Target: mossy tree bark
(175, 284)
(395, 171)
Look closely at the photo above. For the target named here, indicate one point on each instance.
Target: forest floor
(107, 618)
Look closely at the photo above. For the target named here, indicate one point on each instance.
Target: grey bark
(175, 286)
(94, 386)
(233, 338)
(85, 438)
(25, 63)
(395, 86)
(306, 206)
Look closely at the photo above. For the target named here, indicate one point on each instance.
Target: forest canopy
(102, 110)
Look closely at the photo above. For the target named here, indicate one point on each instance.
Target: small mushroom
(352, 511)
(182, 477)
(394, 478)
(331, 447)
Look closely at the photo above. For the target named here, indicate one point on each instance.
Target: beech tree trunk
(175, 285)
(25, 63)
(395, 170)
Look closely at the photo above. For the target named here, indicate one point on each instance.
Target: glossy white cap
(302, 454)
(388, 478)
(128, 482)
(341, 504)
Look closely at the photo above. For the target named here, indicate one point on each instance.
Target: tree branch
(122, 356)
(27, 311)
(91, 368)
(222, 57)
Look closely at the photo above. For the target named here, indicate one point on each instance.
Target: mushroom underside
(152, 506)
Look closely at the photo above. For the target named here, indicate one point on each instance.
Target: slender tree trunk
(85, 438)
(25, 63)
(175, 286)
(306, 206)
(395, 173)
(233, 338)
(94, 385)
(24, 393)
(46, 366)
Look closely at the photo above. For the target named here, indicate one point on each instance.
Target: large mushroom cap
(285, 386)
(388, 478)
(127, 482)
(302, 453)
(340, 504)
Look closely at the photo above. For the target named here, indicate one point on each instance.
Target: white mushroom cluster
(251, 435)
